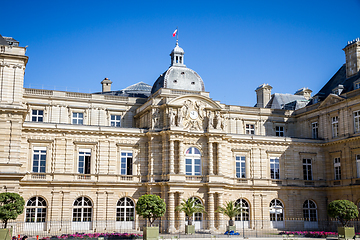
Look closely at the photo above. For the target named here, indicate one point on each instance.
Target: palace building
(82, 160)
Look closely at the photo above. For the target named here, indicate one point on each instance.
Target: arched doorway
(125, 213)
(242, 220)
(197, 217)
(35, 214)
(276, 214)
(310, 215)
(82, 214)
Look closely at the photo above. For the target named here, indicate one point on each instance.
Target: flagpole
(177, 35)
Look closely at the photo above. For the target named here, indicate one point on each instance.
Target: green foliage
(151, 207)
(189, 207)
(343, 210)
(230, 209)
(11, 206)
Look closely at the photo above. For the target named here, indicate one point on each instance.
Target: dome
(181, 78)
(177, 49)
(178, 76)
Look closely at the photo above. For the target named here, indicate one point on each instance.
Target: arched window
(244, 216)
(35, 210)
(276, 210)
(82, 210)
(193, 161)
(125, 210)
(310, 211)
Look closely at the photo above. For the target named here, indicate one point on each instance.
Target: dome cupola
(178, 76)
(177, 56)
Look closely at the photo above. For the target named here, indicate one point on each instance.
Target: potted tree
(150, 207)
(344, 211)
(231, 210)
(189, 207)
(11, 206)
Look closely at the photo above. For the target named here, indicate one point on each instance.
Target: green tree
(343, 210)
(231, 210)
(150, 207)
(189, 207)
(11, 206)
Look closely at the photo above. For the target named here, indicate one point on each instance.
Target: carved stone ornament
(191, 115)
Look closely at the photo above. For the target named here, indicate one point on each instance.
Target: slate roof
(338, 79)
(139, 89)
(287, 101)
(3, 41)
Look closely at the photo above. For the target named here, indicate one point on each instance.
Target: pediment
(196, 99)
(331, 99)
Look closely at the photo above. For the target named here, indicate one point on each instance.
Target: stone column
(181, 214)
(219, 159)
(151, 161)
(221, 224)
(171, 212)
(171, 158)
(211, 158)
(210, 211)
(181, 158)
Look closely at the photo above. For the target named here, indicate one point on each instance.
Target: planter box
(346, 232)
(231, 228)
(151, 233)
(189, 229)
(5, 233)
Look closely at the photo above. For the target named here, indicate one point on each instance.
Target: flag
(174, 33)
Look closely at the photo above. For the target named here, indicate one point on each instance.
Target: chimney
(263, 94)
(106, 85)
(352, 55)
(304, 92)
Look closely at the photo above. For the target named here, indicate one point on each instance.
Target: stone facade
(70, 152)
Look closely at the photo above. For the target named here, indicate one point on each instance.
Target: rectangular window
(115, 120)
(315, 130)
(250, 129)
(307, 169)
(357, 121)
(274, 168)
(39, 160)
(37, 115)
(279, 130)
(335, 126)
(337, 168)
(358, 165)
(84, 161)
(126, 163)
(240, 167)
(77, 118)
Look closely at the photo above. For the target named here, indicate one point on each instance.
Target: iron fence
(176, 228)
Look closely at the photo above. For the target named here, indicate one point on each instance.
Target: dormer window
(338, 90)
(193, 83)
(175, 81)
(357, 84)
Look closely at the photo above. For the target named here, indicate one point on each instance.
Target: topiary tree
(150, 207)
(343, 210)
(11, 206)
(231, 210)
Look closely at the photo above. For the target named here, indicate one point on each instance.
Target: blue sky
(233, 45)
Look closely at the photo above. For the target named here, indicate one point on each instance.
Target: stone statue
(172, 115)
(155, 117)
(218, 120)
(180, 117)
(211, 120)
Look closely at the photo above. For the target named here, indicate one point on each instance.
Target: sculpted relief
(193, 116)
